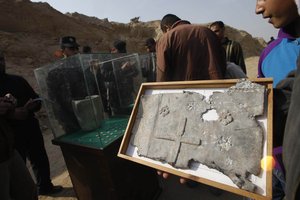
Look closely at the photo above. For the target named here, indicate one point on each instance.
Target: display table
(95, 170)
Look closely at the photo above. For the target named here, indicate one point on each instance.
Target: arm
(129, 69)
(22, 113)
(6, 134)
(216, 59)
(30, 105)
(26, 107)
(259, 67)
(7, 108)
(160, 76)
(162, 60)
(239, 56)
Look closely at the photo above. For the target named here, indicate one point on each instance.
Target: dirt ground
(251, 64)
(172, 190)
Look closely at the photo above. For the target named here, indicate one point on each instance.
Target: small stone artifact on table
(170, 127)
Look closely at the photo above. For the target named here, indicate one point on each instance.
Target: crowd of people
(184, 52)
(278, 61)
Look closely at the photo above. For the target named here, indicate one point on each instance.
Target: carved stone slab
(171, 128)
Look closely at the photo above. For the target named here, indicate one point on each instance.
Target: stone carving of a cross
(179, 138)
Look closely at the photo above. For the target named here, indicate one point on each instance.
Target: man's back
(189, 52)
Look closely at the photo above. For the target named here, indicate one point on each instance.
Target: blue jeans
(278, 184)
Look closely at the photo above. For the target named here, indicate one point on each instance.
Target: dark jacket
(22, 91)
(6, 140)
(234, 53)
(291, 142)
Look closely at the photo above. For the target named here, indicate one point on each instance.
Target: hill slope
(30, 32)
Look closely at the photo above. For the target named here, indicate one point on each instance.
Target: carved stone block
(170, 127)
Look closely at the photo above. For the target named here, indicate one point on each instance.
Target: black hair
(86, 49)
(167, 21)
(149, 42)
(71, 48)
(120, 46)
(68, 41)
(217, 23)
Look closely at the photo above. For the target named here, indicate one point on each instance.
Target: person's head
(150, 45)
(2, 63)
(167, 22)
(218, 28)
(119, 46)
(279, 12)
(69, 46)
(86, 49)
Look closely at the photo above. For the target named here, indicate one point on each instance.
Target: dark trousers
(15, 180)
(33, 149)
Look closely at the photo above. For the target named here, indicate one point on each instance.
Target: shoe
(51, 190)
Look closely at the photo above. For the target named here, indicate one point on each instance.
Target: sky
(239, 14)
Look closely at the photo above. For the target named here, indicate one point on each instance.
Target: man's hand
(125, 66)
(10, 98)
(94, 65)
(5, 106)
(32, 105)
(165, 175)
(20, 113)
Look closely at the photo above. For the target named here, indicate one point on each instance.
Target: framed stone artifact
(214, 132)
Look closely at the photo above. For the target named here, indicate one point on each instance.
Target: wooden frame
(126, 149)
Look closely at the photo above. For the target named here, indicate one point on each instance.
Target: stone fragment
(170, 128)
